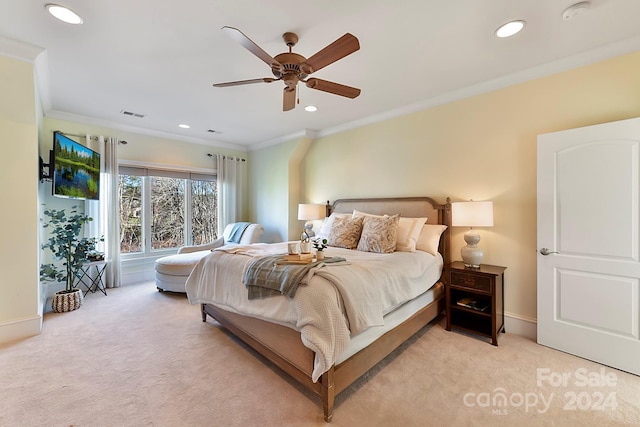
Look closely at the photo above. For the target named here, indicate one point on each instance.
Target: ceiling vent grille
(130, 113)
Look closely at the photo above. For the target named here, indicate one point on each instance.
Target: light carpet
(139, 357)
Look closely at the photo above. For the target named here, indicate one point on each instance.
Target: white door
(588, 225)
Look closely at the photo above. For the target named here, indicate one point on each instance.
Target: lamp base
(471, 254)
(308, 228)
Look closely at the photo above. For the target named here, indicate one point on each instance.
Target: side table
(95, 282)
(475, 299)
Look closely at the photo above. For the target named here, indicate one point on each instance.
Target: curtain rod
(93, 138)
(223, 156)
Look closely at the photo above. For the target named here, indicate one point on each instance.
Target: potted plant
(320, 245)
(66, 245)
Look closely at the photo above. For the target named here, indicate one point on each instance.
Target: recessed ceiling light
(311, 108)
(64, 14)
(510, 28)
(183, 126)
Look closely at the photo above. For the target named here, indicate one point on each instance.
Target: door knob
(545, 252)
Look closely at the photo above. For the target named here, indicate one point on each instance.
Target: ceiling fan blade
(340, 48)
(246, 82)
(245, 41)
(331, 87)
(289, 99)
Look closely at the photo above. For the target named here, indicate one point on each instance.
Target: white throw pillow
(408, 233)
(429, 239)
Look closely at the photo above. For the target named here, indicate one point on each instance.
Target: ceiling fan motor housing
(290, 66)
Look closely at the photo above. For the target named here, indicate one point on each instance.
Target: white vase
(320, 255)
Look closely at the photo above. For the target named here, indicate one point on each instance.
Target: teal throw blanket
(237, 231)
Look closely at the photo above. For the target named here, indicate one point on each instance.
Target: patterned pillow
(325, 229)
(345, 232)
(379, 234)
(408, 230)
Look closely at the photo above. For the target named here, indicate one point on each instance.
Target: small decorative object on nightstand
(475, 299)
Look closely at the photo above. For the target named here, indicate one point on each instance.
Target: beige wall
(20, 311)
(481, 148)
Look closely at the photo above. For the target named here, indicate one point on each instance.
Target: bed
(291, 332)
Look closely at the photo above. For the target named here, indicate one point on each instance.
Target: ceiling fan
(292, 68)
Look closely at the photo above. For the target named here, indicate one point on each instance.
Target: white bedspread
(336, 302)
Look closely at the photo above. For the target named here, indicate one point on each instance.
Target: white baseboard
(23, 328)
(137, 277)
(520, 325)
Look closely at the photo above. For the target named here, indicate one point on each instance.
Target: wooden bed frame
(283, 346)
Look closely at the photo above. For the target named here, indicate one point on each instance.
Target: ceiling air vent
(130, 113)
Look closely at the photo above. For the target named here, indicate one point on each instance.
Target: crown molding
(78, 118)
(304, 133)
(585, 58)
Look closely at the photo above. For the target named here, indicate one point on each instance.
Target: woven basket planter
(64, 301)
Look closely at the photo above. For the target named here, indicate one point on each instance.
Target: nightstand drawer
(472, 281)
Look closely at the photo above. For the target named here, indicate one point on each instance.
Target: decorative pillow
(408, 230)
(408, 233)
(379, 234)
(345, 232)
(325, 229)
(429, 239)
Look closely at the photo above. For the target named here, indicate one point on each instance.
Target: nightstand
(475, 299)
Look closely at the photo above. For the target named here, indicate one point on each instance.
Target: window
(130, 198)
(162, 210)
(167, 212)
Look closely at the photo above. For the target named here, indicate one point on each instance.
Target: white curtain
(231, 175)
(105, 213)
(95, 228)
(111, 213)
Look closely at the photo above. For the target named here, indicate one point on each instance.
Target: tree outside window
(163, 212)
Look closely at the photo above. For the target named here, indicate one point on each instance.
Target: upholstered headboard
(410, 207)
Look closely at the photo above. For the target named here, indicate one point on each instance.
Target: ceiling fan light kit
(292, 68)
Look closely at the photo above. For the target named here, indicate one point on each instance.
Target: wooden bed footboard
(283, 347)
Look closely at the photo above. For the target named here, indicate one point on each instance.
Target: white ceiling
(160, 58)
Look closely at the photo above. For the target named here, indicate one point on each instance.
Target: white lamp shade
(308, 211)
(472, 214)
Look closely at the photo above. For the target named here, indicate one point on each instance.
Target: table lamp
(309, 212)
(472, 214)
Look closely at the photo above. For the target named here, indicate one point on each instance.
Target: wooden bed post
(328, 393)
(446, 220)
